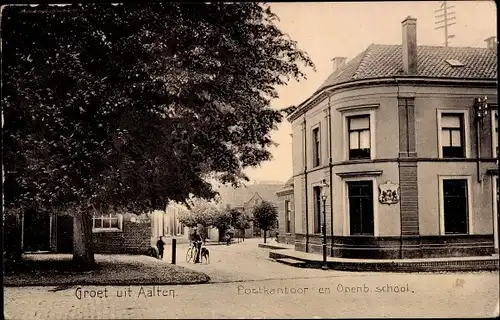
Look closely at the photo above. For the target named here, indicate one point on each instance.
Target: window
(360, 202)
(452, 135)
(288, 216)
(359, 137)
(111, 222)
(317, 209)
(494, 132)
(316, 147)
(455, 206)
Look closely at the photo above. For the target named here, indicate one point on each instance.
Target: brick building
(394, 143)
(122, 233)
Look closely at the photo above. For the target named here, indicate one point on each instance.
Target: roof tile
(379, 61)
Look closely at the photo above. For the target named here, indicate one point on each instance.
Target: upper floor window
(452, 135)
(316, 147)
(359, 137)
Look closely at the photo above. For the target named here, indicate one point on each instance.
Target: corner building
(410, 169)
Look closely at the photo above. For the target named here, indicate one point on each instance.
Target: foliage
(133, 105)
(240, 220)
(201, 212)
(223, 220)
(265, 215)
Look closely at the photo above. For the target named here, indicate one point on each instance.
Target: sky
(343, 29)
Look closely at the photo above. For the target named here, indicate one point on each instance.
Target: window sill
(103, 230)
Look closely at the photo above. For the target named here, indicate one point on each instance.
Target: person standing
(196, 238)
(160, 245)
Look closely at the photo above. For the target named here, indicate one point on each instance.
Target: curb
(393, 266)
(270, 246)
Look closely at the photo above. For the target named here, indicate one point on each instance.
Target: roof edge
(387, 80)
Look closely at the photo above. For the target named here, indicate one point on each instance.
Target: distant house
(246, 198)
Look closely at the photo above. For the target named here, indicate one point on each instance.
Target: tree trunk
(222, 233)
(83, 254)
(264, 236)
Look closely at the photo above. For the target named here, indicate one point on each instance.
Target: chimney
(410, 45)
(491, 43)
(338, 63)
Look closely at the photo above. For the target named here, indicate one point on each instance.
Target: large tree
(114, 107)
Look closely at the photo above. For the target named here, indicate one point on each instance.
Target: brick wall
(108, 242)
(135, 237)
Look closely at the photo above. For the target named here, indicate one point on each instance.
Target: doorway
(65, 234)
(36, 233)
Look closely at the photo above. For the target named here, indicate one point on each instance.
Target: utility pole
(443, 18)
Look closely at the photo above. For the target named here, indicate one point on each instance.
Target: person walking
(160, 245)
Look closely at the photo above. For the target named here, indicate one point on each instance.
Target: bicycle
(191, 253)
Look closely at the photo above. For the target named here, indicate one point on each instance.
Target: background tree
(241, 221)
(265, 216)
(201, 213)
(126, 107)
(223, 221)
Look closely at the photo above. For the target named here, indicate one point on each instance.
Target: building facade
(391, 155)
(166, 224)
(286, 218)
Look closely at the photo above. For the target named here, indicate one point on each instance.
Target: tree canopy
(134, 105)
(201, 212)
(265, 216)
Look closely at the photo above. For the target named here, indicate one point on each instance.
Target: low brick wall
(367, 247)
(135, 238)
(108, 242)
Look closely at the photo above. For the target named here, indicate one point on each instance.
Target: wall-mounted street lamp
(324, 196)
(480, 112)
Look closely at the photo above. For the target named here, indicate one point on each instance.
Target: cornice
(310, 103)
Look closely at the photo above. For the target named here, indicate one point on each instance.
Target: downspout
(305, 177)
(331, 169)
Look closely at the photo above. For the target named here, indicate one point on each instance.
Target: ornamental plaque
(388, 193)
